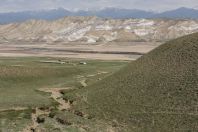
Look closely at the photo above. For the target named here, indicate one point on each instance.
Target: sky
(150, 5)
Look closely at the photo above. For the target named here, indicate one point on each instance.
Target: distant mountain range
(180, 13)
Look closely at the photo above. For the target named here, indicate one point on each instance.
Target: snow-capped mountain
(115, 13)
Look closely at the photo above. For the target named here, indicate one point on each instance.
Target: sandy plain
(101, 51)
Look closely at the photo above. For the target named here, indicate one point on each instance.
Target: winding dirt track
(57, 96)
(14, 108)
(83, 83)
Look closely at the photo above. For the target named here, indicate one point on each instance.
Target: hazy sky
(155, 5)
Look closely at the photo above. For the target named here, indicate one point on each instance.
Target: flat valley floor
(101, 51)
(35, 78)
(32, 93)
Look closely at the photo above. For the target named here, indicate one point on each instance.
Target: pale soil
(57, 96)
(101, 51)
(83, 83)
(99, 73)
(14, 108)
(33, 126)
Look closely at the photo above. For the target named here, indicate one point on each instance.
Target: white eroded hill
(93, 29)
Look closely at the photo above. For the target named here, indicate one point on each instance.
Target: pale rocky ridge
(93, 29)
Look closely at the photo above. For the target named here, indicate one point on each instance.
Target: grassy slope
(14, 121)
(21, 77)
(157, 92)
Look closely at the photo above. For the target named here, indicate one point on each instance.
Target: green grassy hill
(158, 92)
(22, 77)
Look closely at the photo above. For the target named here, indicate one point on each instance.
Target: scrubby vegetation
(158, 92)
(14, 121)
(21, 79)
